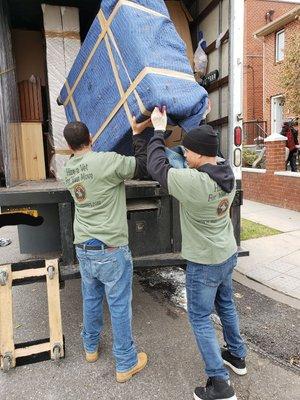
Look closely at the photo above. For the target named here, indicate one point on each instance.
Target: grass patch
(252, 230)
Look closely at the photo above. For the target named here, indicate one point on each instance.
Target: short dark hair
(77, 135)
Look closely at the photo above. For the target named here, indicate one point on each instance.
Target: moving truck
(153, 215)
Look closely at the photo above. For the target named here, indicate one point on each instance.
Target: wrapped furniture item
(131, 61)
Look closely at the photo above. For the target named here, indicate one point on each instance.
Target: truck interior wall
(215, 23)
(181, 19)
(29, 42)
(9, 104)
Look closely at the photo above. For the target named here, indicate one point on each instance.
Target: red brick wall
(268, 188)
(272, 70)
(255, 11)
(280, 191)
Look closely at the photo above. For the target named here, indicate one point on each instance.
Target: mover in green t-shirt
(205, 192)
(96, 183)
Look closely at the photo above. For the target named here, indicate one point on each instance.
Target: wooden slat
(30, 95)
(22, 98)
(27, 102)
(34, 349)
(211, 6)
(64, 152)
(6, 316)
(55, 325)
(217, 84)
(218, 122)
(33, 151)
(31, 103)
(29, 273)
(209, 49)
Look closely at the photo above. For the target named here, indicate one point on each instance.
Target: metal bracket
(51, 271)
(3, 277)
(7, 362)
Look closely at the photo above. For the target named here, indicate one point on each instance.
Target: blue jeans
(108, 272)
(210, 286)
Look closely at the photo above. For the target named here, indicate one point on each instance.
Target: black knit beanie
(202, 140)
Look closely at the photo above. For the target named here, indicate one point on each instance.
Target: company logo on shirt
(80, 192)
(223, 207)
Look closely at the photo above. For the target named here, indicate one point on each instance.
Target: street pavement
(270, 328)
(274, 261)
(161, 330)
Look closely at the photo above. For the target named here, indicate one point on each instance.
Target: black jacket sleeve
(140, 152)
(295, 134)
(157, 161)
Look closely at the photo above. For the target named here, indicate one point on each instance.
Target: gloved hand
(159, 119)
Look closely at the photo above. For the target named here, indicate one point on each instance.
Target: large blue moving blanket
(131, 61)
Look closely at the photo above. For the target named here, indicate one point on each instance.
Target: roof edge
(278, 23)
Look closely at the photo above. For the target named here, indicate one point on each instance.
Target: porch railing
(254, 132)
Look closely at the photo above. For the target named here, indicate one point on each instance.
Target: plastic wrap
(61, 25)
(200, 60)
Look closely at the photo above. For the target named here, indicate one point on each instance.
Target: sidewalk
(274, 261)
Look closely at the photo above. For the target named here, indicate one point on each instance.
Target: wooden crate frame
(11, 354)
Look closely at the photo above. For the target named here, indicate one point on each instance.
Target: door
(277, 113)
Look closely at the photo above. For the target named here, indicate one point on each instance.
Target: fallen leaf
(238, 295)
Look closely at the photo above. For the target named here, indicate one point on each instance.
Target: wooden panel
(225, 15)
(203, 14)
(217, 84)
(180, 19)
(210, 26)
(15, 152)
(218, 122)
(55, 325)
(28, 273)
(33, 151)
(30, 350)
(30, 95)
(6, 316)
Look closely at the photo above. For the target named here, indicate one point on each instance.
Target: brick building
(273, 184)
(258, 13)
(274, 37)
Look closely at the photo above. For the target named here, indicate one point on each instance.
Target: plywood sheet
(16, 155)
(33, 150)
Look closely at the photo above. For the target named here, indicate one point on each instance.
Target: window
(279, 46)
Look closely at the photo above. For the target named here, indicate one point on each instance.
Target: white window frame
(279, 53)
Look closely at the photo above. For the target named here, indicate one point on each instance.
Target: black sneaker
(238, 365)
(216, 389)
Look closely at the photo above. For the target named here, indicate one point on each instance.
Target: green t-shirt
(96, 182)
(207, 231)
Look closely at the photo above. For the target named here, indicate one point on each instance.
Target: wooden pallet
(11, 354)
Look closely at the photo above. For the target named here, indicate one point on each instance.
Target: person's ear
(91, 139)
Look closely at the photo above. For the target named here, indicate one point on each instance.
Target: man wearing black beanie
(205, 191)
